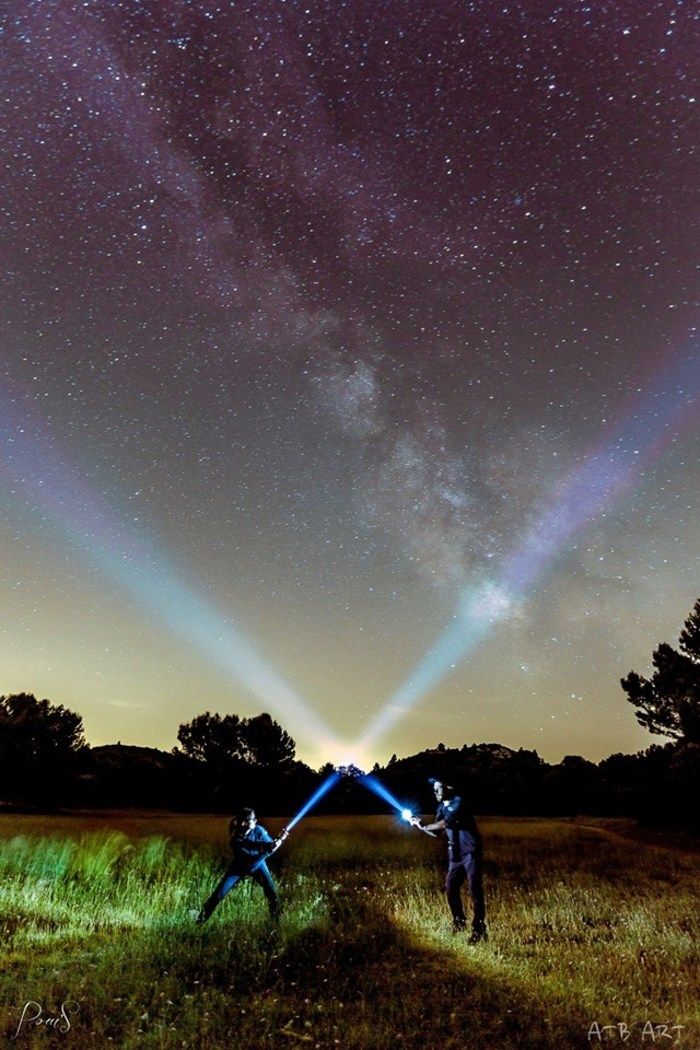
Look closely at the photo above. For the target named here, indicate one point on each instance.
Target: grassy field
(590, 921)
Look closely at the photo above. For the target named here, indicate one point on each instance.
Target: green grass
(589, 921)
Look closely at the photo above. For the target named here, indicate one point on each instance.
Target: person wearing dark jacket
(250, 845)
(465, 858)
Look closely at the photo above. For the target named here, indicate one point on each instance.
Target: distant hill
(124, 753)
(127, 774)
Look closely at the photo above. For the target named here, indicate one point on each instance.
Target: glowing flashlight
(407, 815)
(379, 789)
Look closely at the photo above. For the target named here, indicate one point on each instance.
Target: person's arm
(263, 843)
(438, 824)
(274, 843)
(456, 805)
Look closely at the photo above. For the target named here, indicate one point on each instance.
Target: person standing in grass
(250, 845)
(465, 858)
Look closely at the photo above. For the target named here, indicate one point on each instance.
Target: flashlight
(283, 835)
(378, 788)
(407, 815)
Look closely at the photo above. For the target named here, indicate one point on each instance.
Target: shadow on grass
(403, 990)
(346, 977)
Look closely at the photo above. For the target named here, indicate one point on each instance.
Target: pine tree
(668, 703)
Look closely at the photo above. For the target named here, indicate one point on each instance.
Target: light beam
(604, 476)
(103, 540)
(325, 787)
(375, 785)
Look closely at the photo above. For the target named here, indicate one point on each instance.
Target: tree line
(222, 759)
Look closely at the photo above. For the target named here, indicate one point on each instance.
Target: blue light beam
(605, 474)
(104, 540)
(383, 792)
(378, 788)
(325, 787)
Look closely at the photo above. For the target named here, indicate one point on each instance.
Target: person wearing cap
(250, 845)
(465, 858)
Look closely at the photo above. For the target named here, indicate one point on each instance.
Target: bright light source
(351, 770)
(406, 814)
(341, 755)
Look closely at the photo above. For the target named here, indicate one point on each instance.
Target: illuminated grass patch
(586, 923)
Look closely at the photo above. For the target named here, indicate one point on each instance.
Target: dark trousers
(261, 875)
(466, 869)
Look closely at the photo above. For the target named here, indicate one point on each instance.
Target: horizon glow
(118, 551)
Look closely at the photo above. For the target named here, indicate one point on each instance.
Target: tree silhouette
(221, 741)
(668, 703)
(213, 739)
(40, 743)
(265, 742)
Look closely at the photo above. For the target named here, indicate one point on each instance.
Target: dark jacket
(249, 848)
(462, 833)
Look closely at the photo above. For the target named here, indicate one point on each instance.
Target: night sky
(330, 327)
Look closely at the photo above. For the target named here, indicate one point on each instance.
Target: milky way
(330, 302)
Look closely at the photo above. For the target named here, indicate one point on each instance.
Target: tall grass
(586, 923)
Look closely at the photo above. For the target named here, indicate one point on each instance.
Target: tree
(212, 739)
(668, 703)
(40, 743)
(221, 741)
(265, 742)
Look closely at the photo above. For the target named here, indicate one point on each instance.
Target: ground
(592, 923)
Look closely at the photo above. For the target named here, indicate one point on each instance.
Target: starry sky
(312, 311)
